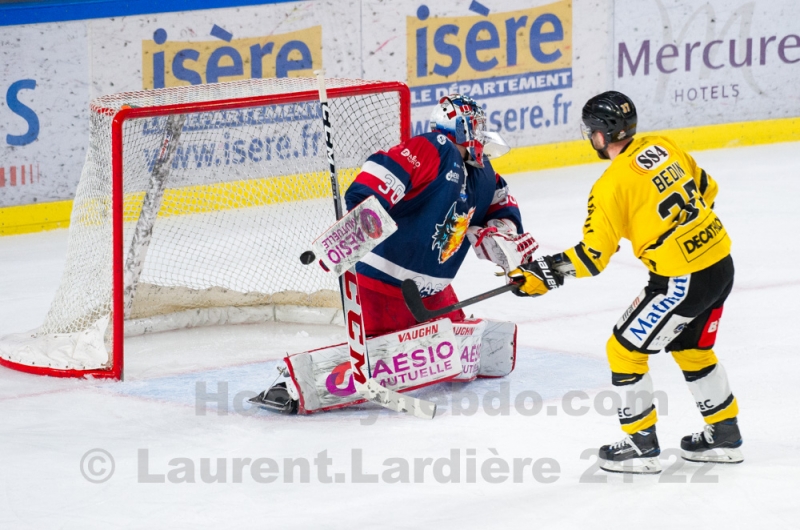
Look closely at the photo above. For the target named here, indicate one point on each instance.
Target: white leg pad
(498, 349)
(469, 336)
(401, 361)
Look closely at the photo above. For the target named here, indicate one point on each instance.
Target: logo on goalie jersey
(450, 234)
(412, 158)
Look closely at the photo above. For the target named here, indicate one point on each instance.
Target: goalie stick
(421, 313)
(143, 232)
(365, 385)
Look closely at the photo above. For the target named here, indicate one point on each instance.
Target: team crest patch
(450, 234)
(441, 139)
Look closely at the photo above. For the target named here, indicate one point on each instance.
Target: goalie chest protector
(433, 196)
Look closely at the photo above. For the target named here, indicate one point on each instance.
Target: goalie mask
(464, 122)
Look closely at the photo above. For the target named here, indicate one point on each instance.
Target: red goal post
(214, 192)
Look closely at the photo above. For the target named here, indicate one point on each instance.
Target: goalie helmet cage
(193, 207)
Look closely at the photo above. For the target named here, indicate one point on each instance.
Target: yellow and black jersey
(654, 195)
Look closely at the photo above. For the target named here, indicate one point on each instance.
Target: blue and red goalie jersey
(433, 196)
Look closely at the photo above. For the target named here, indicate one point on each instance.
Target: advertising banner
(690, 63)
(531, 67)
(219, 45)
(53, 70)
(402, 360)
(44, 111)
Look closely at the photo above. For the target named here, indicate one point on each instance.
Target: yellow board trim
(536, 157)
(34, 217)
(238, 194)
(48, 216)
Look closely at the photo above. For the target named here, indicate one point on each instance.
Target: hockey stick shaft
(328, 130)
(368, 387)
(337, 206)
(326, 124)
(413, 300)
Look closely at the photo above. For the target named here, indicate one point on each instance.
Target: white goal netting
(218, 201)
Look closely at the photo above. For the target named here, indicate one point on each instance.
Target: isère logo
(167, 63)
(496, 54)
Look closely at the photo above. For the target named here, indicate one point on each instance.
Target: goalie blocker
(417, 357)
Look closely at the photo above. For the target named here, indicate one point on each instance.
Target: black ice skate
(637, 453)
(276, 399)
(719, 442)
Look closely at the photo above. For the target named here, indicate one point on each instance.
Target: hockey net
(193, 206)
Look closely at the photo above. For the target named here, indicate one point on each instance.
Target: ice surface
(47, 425)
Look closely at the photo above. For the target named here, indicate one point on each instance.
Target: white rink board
(392, 50)
(122, 60)
(698, 70)
(72, 62)
(82, 60)
(44, 106)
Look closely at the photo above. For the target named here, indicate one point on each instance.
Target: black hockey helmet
(612, 113)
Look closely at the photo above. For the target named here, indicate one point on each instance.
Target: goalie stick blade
(396, 401)
(413, 300)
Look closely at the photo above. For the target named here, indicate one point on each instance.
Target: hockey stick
(143, 232)
(365, 385)
(421, 313)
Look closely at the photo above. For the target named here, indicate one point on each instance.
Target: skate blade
(634, 466)
(716, 456)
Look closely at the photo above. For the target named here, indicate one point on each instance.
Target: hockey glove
(539, 275)
(499, 243)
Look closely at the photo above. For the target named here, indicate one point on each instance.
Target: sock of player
(712, 393)
(637, 411)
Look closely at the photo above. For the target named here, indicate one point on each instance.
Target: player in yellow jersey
(656, 196)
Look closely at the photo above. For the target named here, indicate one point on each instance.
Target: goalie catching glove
(541, 275)
(499, 243)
